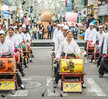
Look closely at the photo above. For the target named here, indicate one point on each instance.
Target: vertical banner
(66, 3)
(0, 7)
(69, 5)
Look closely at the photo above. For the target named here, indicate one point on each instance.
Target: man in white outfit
(104, 62)
(56, 32)
(60, 38)
(90, 35)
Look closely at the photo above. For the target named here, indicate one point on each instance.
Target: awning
(6, 15)
(6, 12)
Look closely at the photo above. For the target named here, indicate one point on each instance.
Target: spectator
(35, 31)
(50, 29)
(43, 28)
(26, 21)
(90, 19)
(40, 32)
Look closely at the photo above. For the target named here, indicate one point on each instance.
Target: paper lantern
(71, 17)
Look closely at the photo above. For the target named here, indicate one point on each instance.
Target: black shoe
(31, 61)
(100, 75)
(84, 86)
(97, 65)
(22, 87)
(23, 74)
(26, 66)
(32, 56)
(91, 61)
(55, 85)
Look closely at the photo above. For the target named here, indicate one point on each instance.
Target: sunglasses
(1, 34)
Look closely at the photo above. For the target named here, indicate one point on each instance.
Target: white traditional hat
(58, 25)
(100, 26)
(24, 26)
(65, 28)
(2, 32)
(91, 23)
(15, 27)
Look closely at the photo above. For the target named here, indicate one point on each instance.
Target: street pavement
(39, 74)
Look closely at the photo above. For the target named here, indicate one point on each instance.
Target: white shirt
(99, 37)
(59, 38)
(68, 48)
(14, 39)
(105, 45)
(23, 37)
(6, 48)
(56, 31)
(27, 36)
(90, 35)
(20, 38)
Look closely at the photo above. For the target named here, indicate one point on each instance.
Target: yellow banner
(72, 87)
(7, 85)
(77, 66)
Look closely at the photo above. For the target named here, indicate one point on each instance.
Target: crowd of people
(63, 36)
(11, 42)
(65, 45)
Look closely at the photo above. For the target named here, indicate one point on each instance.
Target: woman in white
(7, 49)
(26, 33)
(68, 46)
(23, 38)
(12, 37)
(16, 33)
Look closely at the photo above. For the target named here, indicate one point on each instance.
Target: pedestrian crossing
(93, 89)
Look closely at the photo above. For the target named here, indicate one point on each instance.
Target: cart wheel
(80, 92)
(61, 95)
(3, 96)
(54, 91)
(43, 95)
(94, 62)
(16, 88)
(13, 92)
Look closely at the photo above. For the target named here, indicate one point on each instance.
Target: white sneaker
(22, 86)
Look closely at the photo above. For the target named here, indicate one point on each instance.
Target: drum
(89, 44)
(97, 48)
(15, 50)
(6, 64)
(24, 47)
(17, 57)
(28, 46)
(71, 66)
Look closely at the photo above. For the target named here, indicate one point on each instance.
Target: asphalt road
(39, 74)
